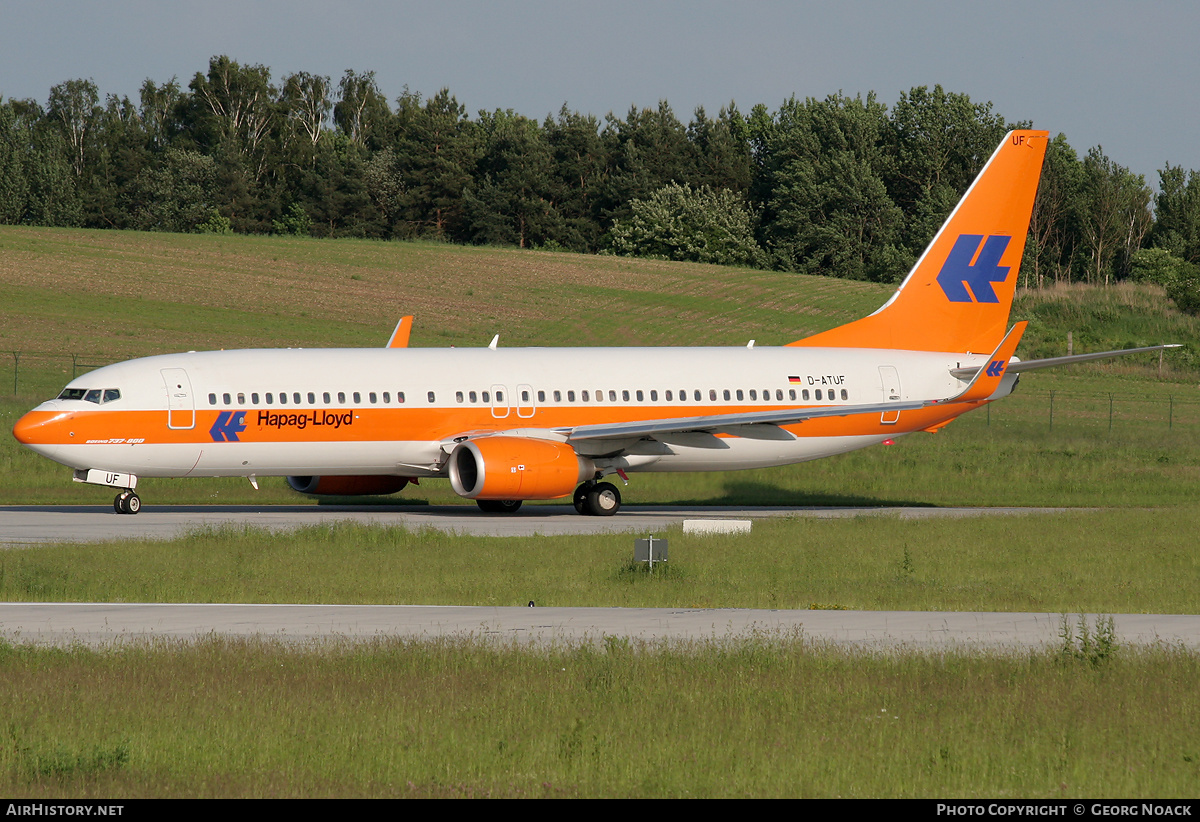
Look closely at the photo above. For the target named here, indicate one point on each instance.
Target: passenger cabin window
(373, 398)
(696, 395)
(254, 398)
(326, 398)
(458, 396)
(845, 395)
(434, 399)
(283, 398)
(212, 399)
(557, 396)
(228, 400)
(342, 397)
(241, 399)
(270, 398)
(399, 396)
(653, 396)
(387, 397)
(357, 398)
(472, 396)
(312, 398)
(570, 396)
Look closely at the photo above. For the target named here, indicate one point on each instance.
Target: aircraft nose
(42, 427)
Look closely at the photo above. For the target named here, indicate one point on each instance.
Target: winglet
(400, 335)
(987, 379)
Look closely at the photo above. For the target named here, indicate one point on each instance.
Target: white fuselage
(399, 411)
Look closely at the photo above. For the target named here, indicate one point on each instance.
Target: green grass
(1126, 561)
(767, 716)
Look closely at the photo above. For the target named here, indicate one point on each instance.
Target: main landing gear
(597, 499)
(127, 502)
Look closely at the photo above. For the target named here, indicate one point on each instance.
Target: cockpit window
(96, 395)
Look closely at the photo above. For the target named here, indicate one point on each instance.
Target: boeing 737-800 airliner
(506, 425)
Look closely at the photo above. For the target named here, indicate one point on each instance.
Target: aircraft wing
(1051, 362)
(722, 422)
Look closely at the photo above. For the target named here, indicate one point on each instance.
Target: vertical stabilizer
(958, 295)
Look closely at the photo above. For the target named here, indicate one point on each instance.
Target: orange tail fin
(958, 295)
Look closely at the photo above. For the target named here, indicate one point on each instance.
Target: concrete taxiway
(34, 524)
(103, 624)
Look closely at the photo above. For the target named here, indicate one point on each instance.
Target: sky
(1116, 74)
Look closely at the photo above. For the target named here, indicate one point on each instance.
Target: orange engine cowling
(348, 486)
(516, 468)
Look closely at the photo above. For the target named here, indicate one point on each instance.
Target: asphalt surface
(35, 524)
(103, 624)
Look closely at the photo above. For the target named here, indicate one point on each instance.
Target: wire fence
(1056, 408)
(31, 371)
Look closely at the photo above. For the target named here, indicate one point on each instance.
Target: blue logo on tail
(957, 272)
(996, 368)
(228, 425)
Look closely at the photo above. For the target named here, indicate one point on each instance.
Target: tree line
(842, 186)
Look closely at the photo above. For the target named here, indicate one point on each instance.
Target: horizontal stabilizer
(987, 379)
(1051, 362)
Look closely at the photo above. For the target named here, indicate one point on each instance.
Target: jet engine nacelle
(516, 468)
(348, 486)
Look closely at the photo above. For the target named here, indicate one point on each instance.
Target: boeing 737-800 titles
(507, 425)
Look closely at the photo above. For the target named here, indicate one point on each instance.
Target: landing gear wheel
(127, 502)
(498, 506)
(580, 498)
(603, 499)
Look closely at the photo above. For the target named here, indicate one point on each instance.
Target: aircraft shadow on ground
(760, 493)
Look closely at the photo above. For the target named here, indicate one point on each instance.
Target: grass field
(763, 716)
(1123, 561)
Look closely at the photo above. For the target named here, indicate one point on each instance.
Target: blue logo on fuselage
(228, 425)
(957, 272)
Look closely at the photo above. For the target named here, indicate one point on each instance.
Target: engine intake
(516, 468)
